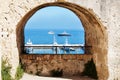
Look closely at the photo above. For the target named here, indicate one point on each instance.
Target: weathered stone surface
(105, 39)
(70, 64)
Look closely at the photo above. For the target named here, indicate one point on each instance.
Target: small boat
(72, 49)
(67, 49)
(51, 32)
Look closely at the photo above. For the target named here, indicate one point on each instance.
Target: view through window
(54, 30)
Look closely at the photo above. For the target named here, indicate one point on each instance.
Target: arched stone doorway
(95, 34)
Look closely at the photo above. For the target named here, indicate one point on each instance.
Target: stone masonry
(70, 64)
(102, 17)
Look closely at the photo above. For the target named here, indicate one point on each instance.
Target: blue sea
(38, 36)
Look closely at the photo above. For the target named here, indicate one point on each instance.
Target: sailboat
(29, 42)
(29, 49)
(66, 49)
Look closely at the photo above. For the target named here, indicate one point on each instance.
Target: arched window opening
(54, 30)
(95, 38)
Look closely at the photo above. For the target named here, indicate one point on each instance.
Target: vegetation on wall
(6, 67)
(90, 70)
(19, 72)
(6, 70)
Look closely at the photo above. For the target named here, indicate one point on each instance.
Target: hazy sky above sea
(54, 17)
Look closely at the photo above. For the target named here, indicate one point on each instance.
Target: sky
(54, 17)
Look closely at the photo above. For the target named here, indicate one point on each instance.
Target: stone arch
(95, 34)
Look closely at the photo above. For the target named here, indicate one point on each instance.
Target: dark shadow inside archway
(95, 35)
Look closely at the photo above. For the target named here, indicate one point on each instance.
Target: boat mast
(66, 41)
(54, 39)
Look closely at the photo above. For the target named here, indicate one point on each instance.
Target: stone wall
(107, 11)
(70, 64)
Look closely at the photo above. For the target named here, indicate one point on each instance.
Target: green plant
(90, 70)
(19, 72)
(57, 73)
(6, 70)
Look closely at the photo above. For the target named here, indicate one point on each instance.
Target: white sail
(29, 42)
